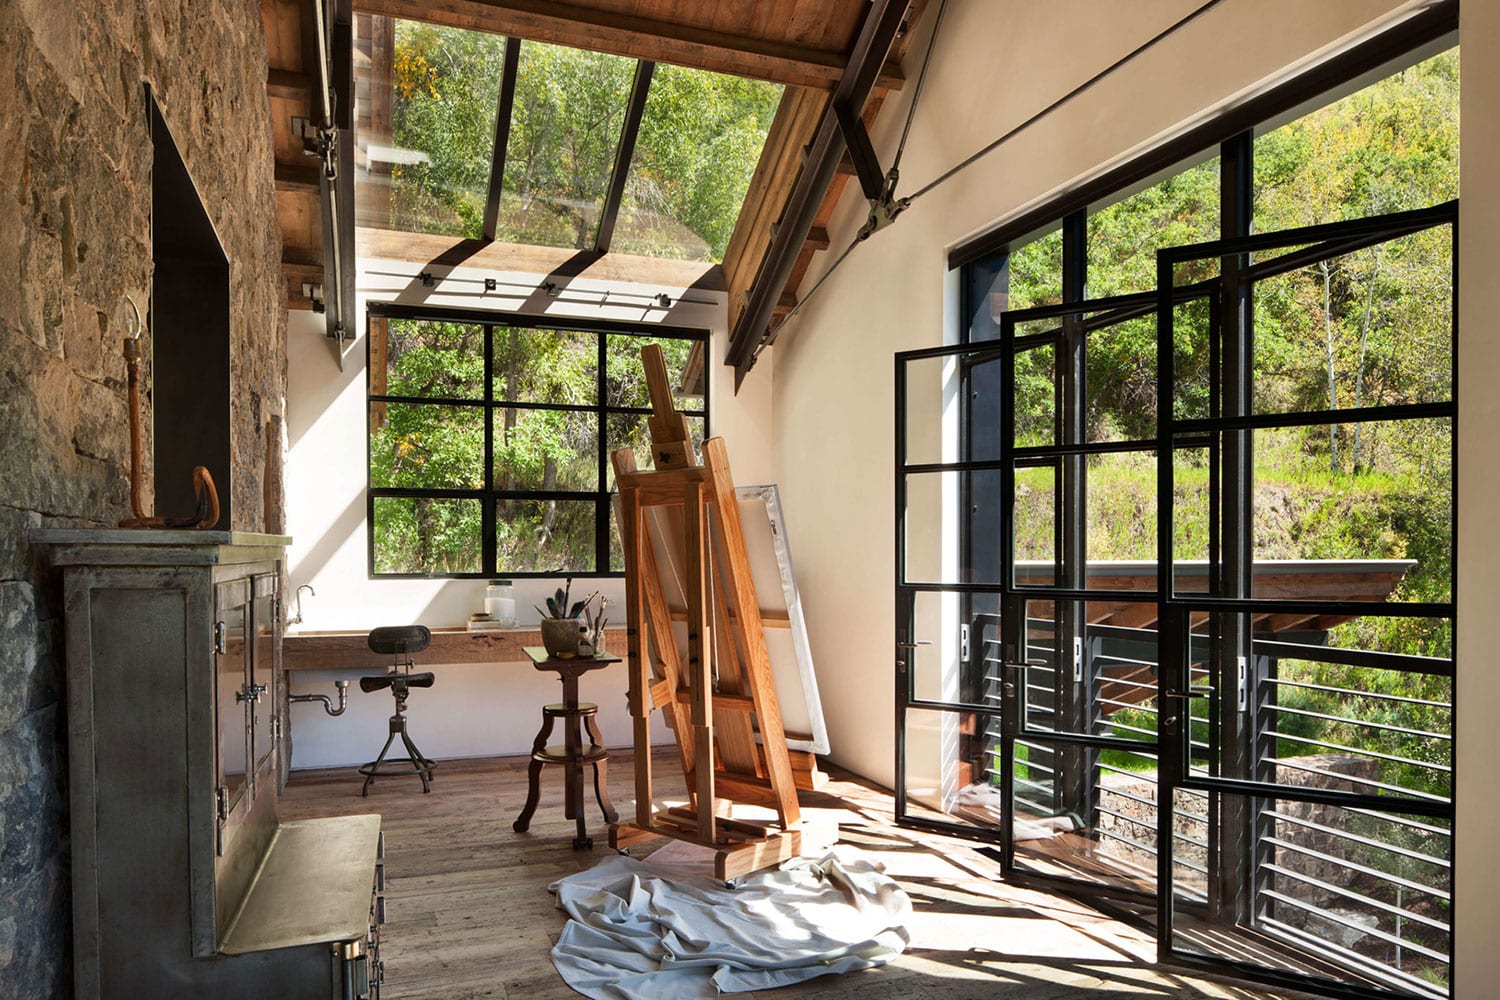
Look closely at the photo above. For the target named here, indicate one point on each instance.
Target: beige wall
(1477, 896)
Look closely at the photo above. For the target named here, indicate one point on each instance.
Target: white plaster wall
(996, 64)
(474, 709)
(1477, 893)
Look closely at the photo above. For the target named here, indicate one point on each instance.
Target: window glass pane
(426, 358)
(1376, 494)
(1122, 385)
(546, 450)
(700, 139)
(1369, 328)
(1035, 525)
(564, 131)
(545, 366)
(1121, 503)
(625, 379)
(425, 125)
(632, 430)
(1192, 368)
(1389, 147)
(1035, 274)
(1123, 238)
(1036, 397)
(427, 535)
(544, 536)
(418, 446)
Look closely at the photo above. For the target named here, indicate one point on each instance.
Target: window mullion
(488, 529)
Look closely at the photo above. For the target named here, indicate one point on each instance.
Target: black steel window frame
(983, 261)
(487, 496)
(1248, 786)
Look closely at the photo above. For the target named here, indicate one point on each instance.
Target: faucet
(296, 618)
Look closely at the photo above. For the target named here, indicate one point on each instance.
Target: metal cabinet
(184, 881)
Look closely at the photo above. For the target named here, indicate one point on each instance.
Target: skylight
(426, 124)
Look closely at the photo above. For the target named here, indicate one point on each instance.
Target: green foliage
(699, 141)
(429, 446)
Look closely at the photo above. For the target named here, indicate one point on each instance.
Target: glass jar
(500, 602)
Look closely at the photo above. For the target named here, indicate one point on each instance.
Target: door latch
(1078, 659)
(963, 643)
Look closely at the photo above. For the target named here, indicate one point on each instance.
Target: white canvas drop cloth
(642, 933)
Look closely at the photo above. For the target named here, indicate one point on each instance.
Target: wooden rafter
(678, 41)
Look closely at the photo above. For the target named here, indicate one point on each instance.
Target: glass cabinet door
(232, 712)
(262, 700)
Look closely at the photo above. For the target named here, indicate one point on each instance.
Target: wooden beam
(289, 84)
(297, 177)
(636, 37)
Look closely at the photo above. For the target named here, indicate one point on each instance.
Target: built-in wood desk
(346, 649)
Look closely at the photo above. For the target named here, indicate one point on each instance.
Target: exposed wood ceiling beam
(636, 37)
(289, 84)
(297, 177)
(881, 25)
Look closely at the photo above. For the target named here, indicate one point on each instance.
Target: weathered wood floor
(469, 915)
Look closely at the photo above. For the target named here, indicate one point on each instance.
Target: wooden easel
(719, 690)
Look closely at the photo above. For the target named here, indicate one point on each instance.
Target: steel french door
(948, 590)
(1101, 670)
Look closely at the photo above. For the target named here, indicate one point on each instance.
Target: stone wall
(75, 159)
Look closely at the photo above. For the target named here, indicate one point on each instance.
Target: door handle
(1188, 695)
(914, 645)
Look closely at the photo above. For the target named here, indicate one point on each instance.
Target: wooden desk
(347, 649)
(572, 753)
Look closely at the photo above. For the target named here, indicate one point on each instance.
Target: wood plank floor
(469, 914)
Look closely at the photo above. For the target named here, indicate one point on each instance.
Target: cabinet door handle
(250, 692)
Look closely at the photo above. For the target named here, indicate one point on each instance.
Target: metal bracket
(1241, 684)
(963, 643)
(219, 631)
(1077, 659)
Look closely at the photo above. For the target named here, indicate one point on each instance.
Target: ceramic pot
(560, 636)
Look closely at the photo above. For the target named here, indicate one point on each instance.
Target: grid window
(489, 439)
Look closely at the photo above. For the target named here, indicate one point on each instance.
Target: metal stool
(399, 641)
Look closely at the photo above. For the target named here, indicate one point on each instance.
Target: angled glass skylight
(564, 129)
(426, 107)
(700, 139)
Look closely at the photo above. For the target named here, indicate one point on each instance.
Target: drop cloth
(639, 932)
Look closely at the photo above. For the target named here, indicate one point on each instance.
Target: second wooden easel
(717, 687)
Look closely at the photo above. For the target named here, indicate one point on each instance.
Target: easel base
(743, 848)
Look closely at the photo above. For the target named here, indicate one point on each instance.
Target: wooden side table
(572, 753)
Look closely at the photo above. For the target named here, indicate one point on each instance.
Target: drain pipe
(343, 687)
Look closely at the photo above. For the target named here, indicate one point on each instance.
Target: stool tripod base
(413, 763)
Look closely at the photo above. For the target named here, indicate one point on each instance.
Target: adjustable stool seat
(399, 641)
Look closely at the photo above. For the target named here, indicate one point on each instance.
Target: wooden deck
(469, 914)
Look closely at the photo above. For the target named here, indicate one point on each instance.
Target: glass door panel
(1357, 897)
(952, 773)
(232, 715)
(1085, 814)
(263, 674)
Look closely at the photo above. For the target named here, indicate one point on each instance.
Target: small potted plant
(560, 626)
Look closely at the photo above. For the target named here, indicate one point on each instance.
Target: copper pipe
(207, 513)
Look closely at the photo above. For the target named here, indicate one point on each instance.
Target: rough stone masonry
(75, 235)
